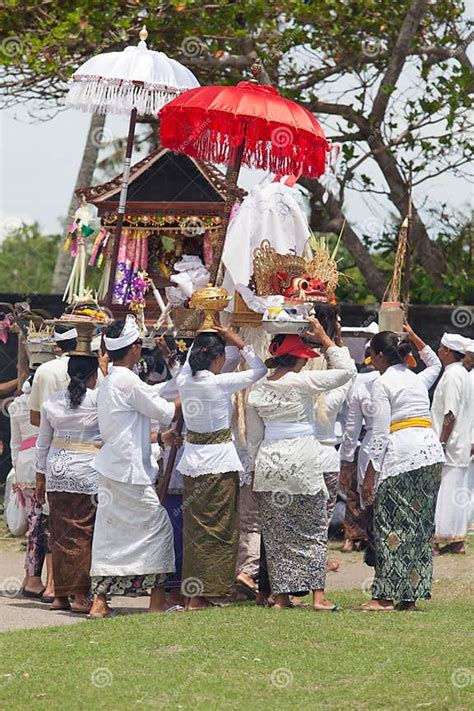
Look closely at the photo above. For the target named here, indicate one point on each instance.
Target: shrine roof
(163, 178)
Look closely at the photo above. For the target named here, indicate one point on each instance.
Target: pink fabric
(28, 443)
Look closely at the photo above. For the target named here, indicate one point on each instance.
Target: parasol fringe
(271, 147)
(104, 96)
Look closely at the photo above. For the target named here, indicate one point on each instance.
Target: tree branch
(397, 59)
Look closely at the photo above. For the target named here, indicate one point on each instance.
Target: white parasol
(138, 81)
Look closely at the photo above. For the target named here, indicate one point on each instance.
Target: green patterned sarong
(404, 512)
(217, 437)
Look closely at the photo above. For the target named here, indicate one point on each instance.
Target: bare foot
(333, 565)
(60, 603)
(264, 600)
(282, 601)
(99, 607)
(376, 606)
(348, 546)
(406, 606)
(198, 603)
(325, 605)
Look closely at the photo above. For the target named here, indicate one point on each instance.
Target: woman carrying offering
(210, 465)
(403, 472)
(288, 463)
(68, 440)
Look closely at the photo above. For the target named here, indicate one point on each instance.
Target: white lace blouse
(400, 394)
(68, 469)
(360, 413)
(207, 407)
(280, 427)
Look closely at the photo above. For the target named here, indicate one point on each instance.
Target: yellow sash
(410, 422)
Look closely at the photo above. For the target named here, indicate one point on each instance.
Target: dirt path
(455, 572)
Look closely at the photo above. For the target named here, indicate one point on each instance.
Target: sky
(40, 160)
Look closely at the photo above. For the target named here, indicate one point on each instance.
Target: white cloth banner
(273, 212)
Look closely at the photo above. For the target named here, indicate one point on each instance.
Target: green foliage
(455, 238)
(27, 260)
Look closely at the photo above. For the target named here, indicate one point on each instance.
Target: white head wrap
(454, 341)
(129, 335)
(470, 345)
(66, 336)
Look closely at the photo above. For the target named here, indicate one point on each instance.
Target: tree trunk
(85, 176)
(425, 251)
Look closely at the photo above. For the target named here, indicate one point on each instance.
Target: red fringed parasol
(248, 124)
(212, 122)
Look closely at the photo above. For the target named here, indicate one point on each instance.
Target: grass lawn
(246, 657)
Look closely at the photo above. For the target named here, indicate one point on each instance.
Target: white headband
(66, 336)
(129, 335)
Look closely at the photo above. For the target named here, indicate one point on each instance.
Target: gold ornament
(210, 300)
(267, 263)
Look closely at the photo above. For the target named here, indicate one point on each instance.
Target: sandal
(246, 589)
(335, 608)
(31, 594)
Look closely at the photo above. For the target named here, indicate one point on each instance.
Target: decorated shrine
(176, 205)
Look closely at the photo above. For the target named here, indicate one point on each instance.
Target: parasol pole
(407, 279)
(122, 203)
(232, 177)
(143, 34)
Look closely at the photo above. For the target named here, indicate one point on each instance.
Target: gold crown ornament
(211, 300)
(295, 277)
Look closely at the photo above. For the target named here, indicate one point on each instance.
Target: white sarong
(452, 506)
(133, 533)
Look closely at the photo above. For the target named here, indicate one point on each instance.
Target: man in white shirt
(452, 421)
(51, 377)
(469, 365)
(133, 538)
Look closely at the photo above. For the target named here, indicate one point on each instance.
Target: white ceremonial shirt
(68, 469)
(207, 407)
(23, 460)
(126, 406)
(326, 432)
(360, 413)
(280, 427)
(400, 394)
(453, 394)
(50, 377)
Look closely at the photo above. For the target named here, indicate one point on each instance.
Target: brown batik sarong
(71, 522)
(211, 534)
(356, 519)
